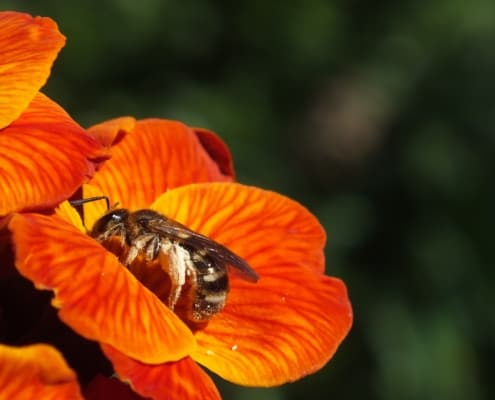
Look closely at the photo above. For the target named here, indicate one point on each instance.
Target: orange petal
(29, 47)
(217, 149)
(96, 295)
(158, 155)
(292, 320)
(36, 372)
(286, 326)
(45, 156)
(182, 379)
(265, 228)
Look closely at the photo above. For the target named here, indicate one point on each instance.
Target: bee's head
(110, 224)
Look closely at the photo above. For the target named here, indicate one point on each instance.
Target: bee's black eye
(117, 216)
(108, 220)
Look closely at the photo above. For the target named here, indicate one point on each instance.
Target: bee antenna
(80, 202)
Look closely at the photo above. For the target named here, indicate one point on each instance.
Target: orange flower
(285, 326)
(44, 154)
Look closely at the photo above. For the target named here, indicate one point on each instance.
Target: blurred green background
(379, 116)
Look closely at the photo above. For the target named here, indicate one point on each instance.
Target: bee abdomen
(210, 291)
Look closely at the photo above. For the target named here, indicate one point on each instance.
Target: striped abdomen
(208, 286)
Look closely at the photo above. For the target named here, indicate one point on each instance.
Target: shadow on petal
(102, 388)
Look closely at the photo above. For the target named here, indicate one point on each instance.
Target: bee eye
(116, 217)
(108, 220)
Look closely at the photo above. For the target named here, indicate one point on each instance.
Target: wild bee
(194, 265)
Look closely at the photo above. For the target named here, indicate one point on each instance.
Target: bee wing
(218, 252)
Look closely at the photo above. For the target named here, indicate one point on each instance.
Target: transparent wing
(175, 230)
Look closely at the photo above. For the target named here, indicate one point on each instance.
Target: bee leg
(131, 255)
(176, 266)
(142, 243)
(152, 248)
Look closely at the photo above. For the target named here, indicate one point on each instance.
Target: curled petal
(109, 132)
(29, 47)
(182, 379)
(96, 295)
(36, 372)
(156, 156)
(217, 150)
(44, 157)
(292, 320)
